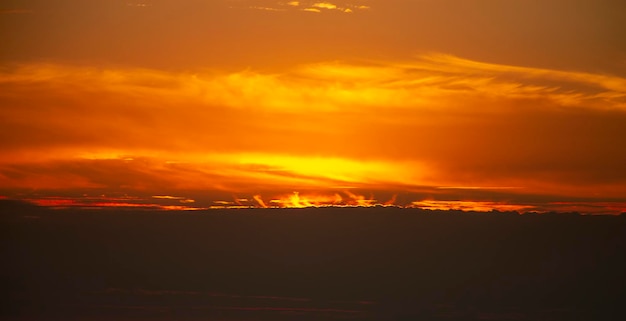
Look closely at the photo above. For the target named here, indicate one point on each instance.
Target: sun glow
(296, 199)
(324, 130)
(336, 172)
(347, 198)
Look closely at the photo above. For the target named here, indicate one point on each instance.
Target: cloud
(324, 5)
(611, 87)
(138, 4)
(435, 121)
(267, 8)
(475, 206)
(307, 6)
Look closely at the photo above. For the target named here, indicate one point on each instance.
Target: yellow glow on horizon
(302, 200)
(341, 199)
(332, 126)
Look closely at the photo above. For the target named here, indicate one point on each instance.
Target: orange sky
(467, 104)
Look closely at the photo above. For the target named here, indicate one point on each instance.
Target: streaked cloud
(307, 6)
(321, 130)
(471, 206)
(268, 8)
(104, 201)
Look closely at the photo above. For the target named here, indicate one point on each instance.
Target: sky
(192, 104)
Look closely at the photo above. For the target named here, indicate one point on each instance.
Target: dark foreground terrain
(310, 264)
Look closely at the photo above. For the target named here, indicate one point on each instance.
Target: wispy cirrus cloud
(438, 120)
(307, 6)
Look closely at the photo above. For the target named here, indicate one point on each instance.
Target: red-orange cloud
(436, 121)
